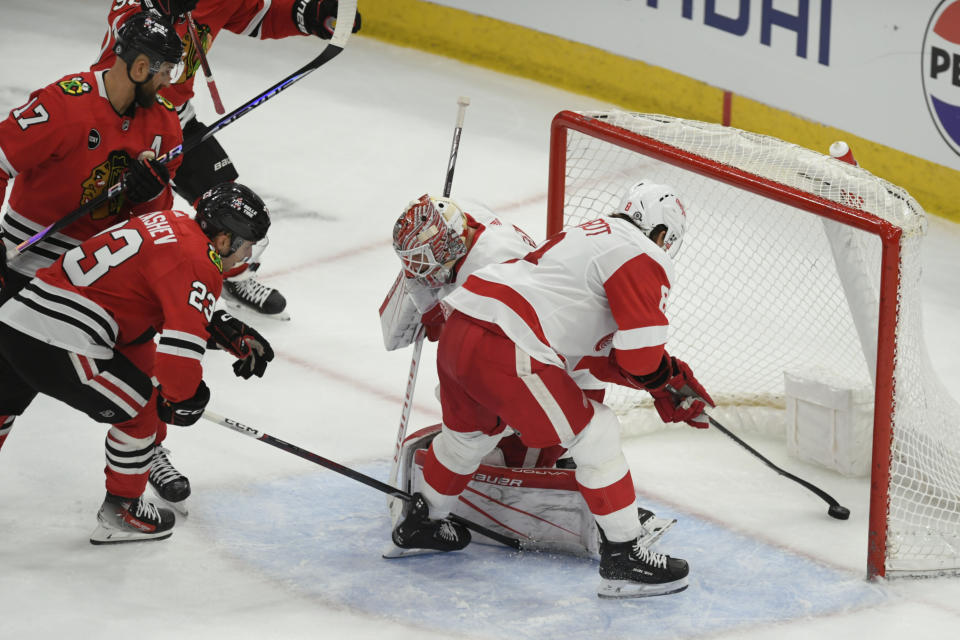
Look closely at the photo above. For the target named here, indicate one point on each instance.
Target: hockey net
(792, 261)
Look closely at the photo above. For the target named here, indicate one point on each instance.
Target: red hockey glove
(186, 412)
(245, 343)
(688, 398)
(319, 17)
(432, 322)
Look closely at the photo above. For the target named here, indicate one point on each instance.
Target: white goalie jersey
(493, 241)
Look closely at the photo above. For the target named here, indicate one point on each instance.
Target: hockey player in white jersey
(592, 297)
(440, 245)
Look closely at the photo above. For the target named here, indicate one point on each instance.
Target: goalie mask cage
(792, 261)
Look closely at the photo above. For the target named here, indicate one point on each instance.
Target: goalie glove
(245, 343)
(319, 17)
(404, 310)
(677, 395)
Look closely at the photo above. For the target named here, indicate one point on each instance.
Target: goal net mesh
(764, 287)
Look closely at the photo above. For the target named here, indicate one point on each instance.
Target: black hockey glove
(319, 17)
(172, 9)
(251, 349)
(145, 179)
(186, 412)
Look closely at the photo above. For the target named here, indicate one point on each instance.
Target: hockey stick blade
(346, 15)
(350, 473)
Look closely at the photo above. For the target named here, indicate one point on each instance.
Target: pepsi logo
(941, 71)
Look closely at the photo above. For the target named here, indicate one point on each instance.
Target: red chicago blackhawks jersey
(263, 19)
(62, 147)
(155, 271)
(587, 290)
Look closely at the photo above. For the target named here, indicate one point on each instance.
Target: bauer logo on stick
(941, 71)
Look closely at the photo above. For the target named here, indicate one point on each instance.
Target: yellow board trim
(590, 71)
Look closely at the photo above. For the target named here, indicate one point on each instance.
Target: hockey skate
(417, 534)
(630, 570)
(652, 527)
(169, 484)
(251, 295)
(130, 520)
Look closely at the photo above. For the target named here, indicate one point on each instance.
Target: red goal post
(765, 288)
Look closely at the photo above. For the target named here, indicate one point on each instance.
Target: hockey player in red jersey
(593, 296)
(75, 138)
(72, 333)
(208, 164)
(437, 238)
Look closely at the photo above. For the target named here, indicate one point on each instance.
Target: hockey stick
(350, 473)
(346, 14)
(834, 511)
(207, 73)
(462, 104)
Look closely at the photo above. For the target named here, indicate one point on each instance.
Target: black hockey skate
(630, 570)
(131, 519)
(167, 482)
(417, 533)
(250, 294)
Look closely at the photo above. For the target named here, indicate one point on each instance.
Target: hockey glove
(432, 322)
(677, 395)
(251, 349)
(186, 412)
(172, 9)
(145, 179)
(319, 17)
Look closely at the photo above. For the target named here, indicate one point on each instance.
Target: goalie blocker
(541, 506)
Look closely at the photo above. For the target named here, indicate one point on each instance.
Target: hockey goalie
(522, 492)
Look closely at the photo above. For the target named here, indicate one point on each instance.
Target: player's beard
(145, 96)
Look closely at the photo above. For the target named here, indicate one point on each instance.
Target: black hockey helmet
(150, 35)
(233, 208)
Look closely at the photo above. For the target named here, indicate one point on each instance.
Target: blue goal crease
(323, 534)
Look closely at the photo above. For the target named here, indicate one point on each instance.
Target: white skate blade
(630, 589)
(249, 314)
(109, 535)
(654, 528)
(393, 551)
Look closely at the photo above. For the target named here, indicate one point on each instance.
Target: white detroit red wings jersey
(61, 146)
(155, 271)
(263, 19)
(493, 241)
(602, 285)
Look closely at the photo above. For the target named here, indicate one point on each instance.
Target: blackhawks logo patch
(166, 103)
(75, 86)
(215, 259)
(101, 177)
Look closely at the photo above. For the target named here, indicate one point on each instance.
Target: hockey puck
(838, 512)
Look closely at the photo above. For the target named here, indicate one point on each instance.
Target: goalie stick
(346, 14)
(205, 64)
(239, 427)
(395, 505)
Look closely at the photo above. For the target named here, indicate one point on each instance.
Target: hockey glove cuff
(186, 412)
(319, 17)
(432, 322)
(677, 395)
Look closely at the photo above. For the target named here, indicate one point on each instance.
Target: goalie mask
(655, 207)
(428, 240)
